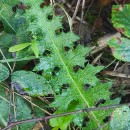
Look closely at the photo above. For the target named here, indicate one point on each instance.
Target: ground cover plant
(47, 79)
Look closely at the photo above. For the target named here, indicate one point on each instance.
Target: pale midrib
(57, 51)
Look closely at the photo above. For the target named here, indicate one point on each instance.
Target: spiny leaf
(63, 121)
(92, 95)
(61, 61)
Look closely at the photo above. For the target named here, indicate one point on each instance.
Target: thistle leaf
(60, 59)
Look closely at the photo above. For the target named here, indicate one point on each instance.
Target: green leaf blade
(120, 119)
(31, 83)
(35, 48)
(120, 48)
(22, 113)
(60, 63)
(19, 47)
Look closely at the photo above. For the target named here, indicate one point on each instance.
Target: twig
(84, 22)
(76, 10)
(71, 9)
(3, 98)
(33, 104)
(83, 8)
(102, 42)
(97, 58)
(63, 114)
(18, 59)
(99, 128)
(110, 63)
(89, 6)
(116, 74)
(82, 16)
(11, 88)
(5, 60)
(116, 65)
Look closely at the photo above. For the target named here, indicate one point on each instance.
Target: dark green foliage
(10, 17)
(4, 72)
(121, 50)
(30, 82)
(15, 25)
(20, 111)
(58, 68)
(63, 66)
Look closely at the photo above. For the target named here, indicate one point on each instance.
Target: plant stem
(63, 114)
(18, 59)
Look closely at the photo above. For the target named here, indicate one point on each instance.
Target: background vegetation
(64, 65)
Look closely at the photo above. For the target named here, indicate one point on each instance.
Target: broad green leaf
(92, 96)
(14, 24)
(7, 15)
(120, 48)
(21, 112)
(31, 83)
(4, 72)
(19, 47)
(63, 121)
(121, 18)
(120, 119)
(66, 65)
(4, 104)
(6, 41)
(41, 104)
(35, 48)
(2, 121)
